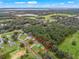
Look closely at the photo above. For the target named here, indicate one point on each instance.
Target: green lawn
(68, 47)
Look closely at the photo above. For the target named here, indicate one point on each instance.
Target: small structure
(1, 41)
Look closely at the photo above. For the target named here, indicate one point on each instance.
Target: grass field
(67, 45)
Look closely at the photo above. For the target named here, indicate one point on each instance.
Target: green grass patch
(71, 45)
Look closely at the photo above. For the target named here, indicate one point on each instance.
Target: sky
(39, 3)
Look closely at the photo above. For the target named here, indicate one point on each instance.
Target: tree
(22, 45)
(73, 43)
(60, 54)
(15, 36)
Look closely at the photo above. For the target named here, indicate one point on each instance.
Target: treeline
(67, 21)
(54, 32)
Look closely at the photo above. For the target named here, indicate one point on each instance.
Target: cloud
(32, 2)
(20, 2)
(28, 2)
(71, 2)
